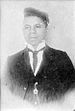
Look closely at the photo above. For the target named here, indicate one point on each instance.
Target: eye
(27, 27)
(38, 26)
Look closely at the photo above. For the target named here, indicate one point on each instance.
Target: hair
(34, 12)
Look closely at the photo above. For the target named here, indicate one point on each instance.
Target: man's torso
(53, 79)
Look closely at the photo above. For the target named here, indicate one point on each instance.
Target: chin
(34, 43)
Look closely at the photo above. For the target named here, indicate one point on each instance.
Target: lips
(33, 37)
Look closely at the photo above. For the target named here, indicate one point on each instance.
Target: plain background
(61, 36)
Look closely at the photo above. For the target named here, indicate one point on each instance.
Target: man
(39, 73)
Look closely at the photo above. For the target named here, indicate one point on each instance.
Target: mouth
(33, 37)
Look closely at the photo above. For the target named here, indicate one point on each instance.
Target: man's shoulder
(17, 53)
(59, 56)
(16, 56)
(56, 52)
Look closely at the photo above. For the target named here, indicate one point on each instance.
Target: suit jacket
(55, 77)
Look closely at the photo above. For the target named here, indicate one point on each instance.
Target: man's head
(35, 26)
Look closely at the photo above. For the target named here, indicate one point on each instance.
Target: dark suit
(55, 77)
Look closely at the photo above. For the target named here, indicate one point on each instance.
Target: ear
(23, 29)
(47, 28)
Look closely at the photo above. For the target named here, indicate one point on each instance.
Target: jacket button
(35, 91)
(45, 77)
(24, 88)
(36, 83)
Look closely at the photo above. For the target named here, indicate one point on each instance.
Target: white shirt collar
(40, 46)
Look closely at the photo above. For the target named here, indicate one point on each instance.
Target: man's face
(34, 30)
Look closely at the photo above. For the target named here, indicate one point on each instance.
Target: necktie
(35, 57)
(34, 60)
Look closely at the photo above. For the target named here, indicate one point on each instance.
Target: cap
(34, 12)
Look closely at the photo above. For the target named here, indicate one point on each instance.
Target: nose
(33, 30)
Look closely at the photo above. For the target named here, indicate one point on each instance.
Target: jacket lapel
(47, 57)
(27, 62)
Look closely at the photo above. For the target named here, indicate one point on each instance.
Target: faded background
(61, 36)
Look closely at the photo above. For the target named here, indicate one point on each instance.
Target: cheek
(26, 37)
(39, 32)
(42, 33)
(26, 33)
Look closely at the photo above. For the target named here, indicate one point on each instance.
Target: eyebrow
(26, 25)
(34, 24)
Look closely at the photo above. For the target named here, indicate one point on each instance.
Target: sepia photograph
(37, 55)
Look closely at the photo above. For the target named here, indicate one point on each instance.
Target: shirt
(39, 55)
